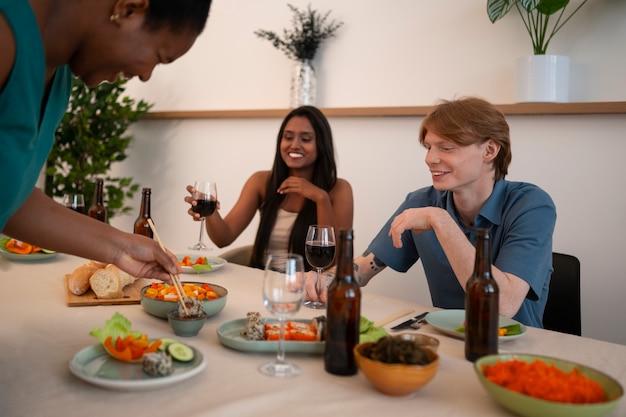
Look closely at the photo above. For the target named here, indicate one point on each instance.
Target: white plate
(94, 365)
(229, 334)
(447, 321)
(31, 257)
(215, 261)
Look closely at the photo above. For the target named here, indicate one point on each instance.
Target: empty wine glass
(75, 202)
(205, 195)
(320, 253)
(283, 292)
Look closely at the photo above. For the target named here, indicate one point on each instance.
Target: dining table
(41, 336)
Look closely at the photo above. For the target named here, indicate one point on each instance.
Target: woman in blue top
(468, 154)
(43, 43)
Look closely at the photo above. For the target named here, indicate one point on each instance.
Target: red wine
(78, 209)
(204, 207)
(319, 255)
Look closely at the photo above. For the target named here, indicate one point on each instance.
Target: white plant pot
(542, 78)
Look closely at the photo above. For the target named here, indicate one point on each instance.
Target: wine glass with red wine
(205, 196)
(75, 202)
(320, 253)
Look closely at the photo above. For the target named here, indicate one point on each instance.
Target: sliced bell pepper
(153, 347)
(130, 348)
(123, 355)
(186, 261)
(19, 247)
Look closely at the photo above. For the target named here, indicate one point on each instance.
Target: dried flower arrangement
(309, 30)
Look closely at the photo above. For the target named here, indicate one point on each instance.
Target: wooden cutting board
(132, 295)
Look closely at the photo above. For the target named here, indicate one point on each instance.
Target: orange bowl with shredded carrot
(542, 386)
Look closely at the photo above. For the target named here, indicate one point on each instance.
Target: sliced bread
(110, 282)
(78, 280)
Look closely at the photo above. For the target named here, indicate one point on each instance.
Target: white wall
(394, 53)
(411, 53)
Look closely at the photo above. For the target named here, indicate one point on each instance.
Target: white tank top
(279, 239)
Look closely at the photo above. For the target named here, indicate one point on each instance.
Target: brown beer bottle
(141, 224)
(481, 303)
(343, 314)
(97, 210)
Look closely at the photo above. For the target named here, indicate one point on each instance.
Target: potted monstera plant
(540, 76)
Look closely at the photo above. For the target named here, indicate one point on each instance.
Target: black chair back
(562, 311)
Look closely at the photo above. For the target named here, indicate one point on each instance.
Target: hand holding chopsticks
(175, 278)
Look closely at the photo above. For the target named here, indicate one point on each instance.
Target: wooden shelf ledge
(614, 107)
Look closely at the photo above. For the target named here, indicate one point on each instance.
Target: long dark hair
(324, 176)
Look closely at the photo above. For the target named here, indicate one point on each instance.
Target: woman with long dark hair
(301, 189)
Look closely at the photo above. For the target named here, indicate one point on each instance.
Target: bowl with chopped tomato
(543, 386)
(159, 298)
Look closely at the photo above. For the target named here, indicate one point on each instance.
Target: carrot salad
(166, 292)
(540, 380)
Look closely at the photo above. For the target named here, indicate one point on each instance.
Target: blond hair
(468, 121)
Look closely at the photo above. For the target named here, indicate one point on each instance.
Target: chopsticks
(175, 278)
(393, 317)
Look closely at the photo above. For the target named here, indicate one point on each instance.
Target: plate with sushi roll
(257, 334)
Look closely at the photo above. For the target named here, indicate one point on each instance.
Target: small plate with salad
(17, 250)
(119, 365)
(451, 322)
(198, 264)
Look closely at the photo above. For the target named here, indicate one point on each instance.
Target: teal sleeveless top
(27, 124)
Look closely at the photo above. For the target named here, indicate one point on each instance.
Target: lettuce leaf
(3, 242)
(202, 267)
(369, 332)
(116, 326)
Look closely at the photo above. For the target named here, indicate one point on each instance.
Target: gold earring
(114, 17)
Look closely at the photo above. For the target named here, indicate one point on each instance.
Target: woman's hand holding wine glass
(320, 253)
(205, 198)
(283, 293)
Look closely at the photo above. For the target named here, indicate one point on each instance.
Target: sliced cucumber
(48, 251)
(165, 342)
(180, 352)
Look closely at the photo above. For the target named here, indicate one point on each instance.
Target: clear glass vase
(303, 84)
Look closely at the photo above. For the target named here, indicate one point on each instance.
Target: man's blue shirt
(520, 217)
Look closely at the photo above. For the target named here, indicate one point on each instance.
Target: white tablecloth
(40, 334)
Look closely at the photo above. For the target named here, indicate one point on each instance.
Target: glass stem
(201, 230)
(280, 355)
(318, 286)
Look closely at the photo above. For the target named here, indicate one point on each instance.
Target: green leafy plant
(542, 18)
(90, 138)
(310, 28)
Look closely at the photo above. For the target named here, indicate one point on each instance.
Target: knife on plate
(409, 322)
